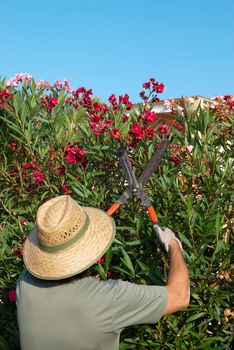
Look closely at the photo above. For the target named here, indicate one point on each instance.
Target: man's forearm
(177, 280)
(178, 276)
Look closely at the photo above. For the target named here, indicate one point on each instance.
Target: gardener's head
(67, 239)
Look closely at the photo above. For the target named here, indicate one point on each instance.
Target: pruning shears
(135, 186)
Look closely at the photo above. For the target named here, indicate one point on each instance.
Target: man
(57, 311)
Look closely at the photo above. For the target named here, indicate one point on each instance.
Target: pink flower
(101, 260)
(19, 78)
(190, 149)
(62, 85)
(12, 295)
(43, 84)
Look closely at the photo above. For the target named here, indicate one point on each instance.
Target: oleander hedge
(55, 140)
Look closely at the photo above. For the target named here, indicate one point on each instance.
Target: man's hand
(165, 236)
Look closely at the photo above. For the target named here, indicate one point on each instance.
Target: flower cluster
(142, 132)
(154, 88)
(48, 102)
(4, 95)
(37, 174)
(149, 116)
(43, 84)
(74, 154)
(123, 101)
(223, 106)
(80, 98)
(13, 145)
(19, 78)
(62, 85)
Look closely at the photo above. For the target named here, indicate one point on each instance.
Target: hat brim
(75, 259)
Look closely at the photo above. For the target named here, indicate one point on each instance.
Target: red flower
(13, 145)
(38, 176)
(112, 99)
(70, 158)
(24, 174)
(146, 85)
(175, 159)
(150, 117)
(136, 129)
(180, 127)
(101, 260)
(4, 94)
(49, 102)
(12, 295)
(80, 153)
(64, 188)
(25, 165)
(143, 95)
(160, 88)
(34, 165)
(115, 133)
(21, 251)
(80, 90)
(164, 128)
(61, 170)
(124, 118)
(74, 154)
(125, 100)
(97, 132)
(24, 222)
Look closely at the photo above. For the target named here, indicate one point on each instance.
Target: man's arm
(177, 281)
(178, 278)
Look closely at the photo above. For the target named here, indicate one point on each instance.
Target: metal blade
(153, 163)
(127, 167)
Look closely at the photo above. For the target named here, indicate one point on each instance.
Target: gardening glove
(164, 236)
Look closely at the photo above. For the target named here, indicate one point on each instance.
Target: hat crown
(58, 220)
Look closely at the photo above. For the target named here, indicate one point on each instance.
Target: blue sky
(114, 46)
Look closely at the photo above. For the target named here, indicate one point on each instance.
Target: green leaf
(195, 317)
(127, 261)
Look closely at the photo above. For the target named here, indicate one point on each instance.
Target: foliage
(54, 140)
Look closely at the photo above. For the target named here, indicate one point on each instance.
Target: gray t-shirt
(86, 314)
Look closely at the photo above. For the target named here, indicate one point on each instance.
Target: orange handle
(152, 214)
(113, 208)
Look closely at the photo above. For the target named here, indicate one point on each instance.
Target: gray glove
(165, 235)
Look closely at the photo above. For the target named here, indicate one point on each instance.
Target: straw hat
(67, 239)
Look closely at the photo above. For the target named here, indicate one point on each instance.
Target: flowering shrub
(58, 140)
